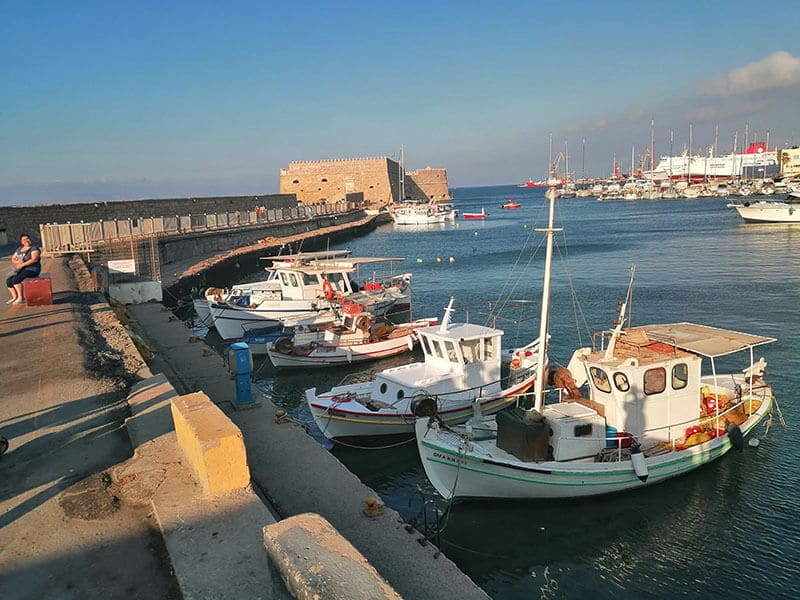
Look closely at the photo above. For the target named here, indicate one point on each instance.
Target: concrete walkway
(297, 475)
(64, 533)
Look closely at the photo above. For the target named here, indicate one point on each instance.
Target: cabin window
(655, 381)
(680, 376)
(436, 349)
(323, 180)
(309, 279)
(471, 350)
(383, 388)
(337, 279)
(285, 279)
(600, 380)
(425, 346)
(582, 430)
(293, 280)
(450, 349)
(621, 381)
(488, 345)
(400, 394)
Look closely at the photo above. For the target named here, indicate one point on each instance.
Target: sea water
(729, 529)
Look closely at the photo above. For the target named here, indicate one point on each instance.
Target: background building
(790, 162)
(377, 178)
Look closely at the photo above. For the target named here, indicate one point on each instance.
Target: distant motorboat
(533, 184)
(510, 203)
(770, 211)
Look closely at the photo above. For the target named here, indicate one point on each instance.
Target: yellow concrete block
(212, 444)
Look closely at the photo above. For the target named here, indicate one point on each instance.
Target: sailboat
(635, 411)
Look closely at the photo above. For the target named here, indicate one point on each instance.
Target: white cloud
(778, 70)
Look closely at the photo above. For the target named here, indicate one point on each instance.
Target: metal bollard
(241, 365)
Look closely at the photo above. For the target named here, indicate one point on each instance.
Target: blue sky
(106, 100)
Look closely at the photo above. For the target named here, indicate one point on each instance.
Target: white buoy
(452, 260)
(753, 442)
(639, 463)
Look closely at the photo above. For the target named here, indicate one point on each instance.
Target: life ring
(363, 322)
(327, 289)
(284, 345)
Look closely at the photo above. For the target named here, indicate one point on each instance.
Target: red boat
(531, 183)
(476, 215)
(510, 203)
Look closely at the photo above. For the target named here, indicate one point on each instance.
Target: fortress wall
(431, 183)
(17, 220)
(331, 180)
(377, 178)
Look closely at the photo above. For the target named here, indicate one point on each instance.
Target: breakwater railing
(67, 238)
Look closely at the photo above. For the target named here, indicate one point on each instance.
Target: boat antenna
(543, 326)
(448, 312)
(623, 310)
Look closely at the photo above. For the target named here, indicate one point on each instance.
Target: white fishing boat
(770, 211)
(252, 292)
(307, 291)
(352, 339)
(461, 368)
(422, 214)
(635, 411)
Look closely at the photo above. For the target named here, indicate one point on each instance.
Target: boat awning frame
(711, 342)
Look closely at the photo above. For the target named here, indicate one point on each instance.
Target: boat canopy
(308, 255)
(711, 342)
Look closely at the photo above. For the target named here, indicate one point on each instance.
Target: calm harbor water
(729, 529)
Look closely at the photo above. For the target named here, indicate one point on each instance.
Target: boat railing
(676, 431)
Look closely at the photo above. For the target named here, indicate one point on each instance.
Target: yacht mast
(652, 145)
(541, 376)
(402, 178)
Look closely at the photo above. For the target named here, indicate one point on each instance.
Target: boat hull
(331, 356)
(343, 419)
(458, 468)
(768, 212)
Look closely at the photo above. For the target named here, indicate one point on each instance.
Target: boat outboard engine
(735, 435)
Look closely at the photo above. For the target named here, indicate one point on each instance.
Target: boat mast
(671, 133)
(633, 149)
(689, 167)
(541, 376)
(402, 168)
(652, 145)
(583, 161)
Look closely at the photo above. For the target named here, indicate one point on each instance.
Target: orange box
(37, 290)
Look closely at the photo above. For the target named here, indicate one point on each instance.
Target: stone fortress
(378, 179)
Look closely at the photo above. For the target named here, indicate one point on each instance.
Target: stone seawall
(16, 220)
(202, 261)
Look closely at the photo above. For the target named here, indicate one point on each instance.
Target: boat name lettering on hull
(449, 458)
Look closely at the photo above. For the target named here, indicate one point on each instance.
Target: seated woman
(27, 263)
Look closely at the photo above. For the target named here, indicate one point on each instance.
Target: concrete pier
(98, 500)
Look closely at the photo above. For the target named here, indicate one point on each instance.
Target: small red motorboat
(476, 215)
(510, 203)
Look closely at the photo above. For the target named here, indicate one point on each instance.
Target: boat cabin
(463, 357)
(648, 382)
(308, 282)
(644, 387)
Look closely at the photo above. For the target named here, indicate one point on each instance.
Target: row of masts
(647, 160)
